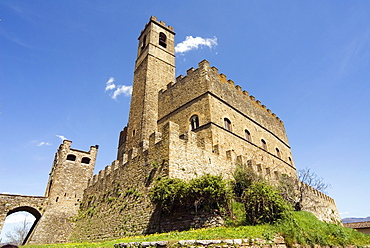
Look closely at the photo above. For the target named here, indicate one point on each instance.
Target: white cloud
(44, 144)
(191, 43)
(119, 89)
(122, 89)
(61, 137)
(19, 218)
(109, 85)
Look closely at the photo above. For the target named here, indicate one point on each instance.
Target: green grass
(304, 228)
(299, 227)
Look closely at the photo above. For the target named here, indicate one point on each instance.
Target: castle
(180, 127)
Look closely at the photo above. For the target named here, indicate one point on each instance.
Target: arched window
(194, 122)
(264, 145)
(143, 44)
(290, 161)
(278, 153)
(85, 160)
(162, 40)
(71, 157)
(227, 124)
(247, 135)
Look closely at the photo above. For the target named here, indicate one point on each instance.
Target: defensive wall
(116, 201)
(320, 204)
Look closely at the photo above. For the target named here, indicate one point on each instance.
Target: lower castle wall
(321, 205)
(116, 202)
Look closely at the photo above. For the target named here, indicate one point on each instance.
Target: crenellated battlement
(318, 193)
(161, 23)
(205, 73)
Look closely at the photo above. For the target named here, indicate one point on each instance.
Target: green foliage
(237, 215)
(168, 192)
(304, 228)
(209, 192)
(131, 191)
(264, 204)
(244, 177)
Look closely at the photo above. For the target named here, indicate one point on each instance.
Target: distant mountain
(351, 220)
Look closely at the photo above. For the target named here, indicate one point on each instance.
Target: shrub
(208, 192)
(168, 193)
(244, 177)
(264, 204)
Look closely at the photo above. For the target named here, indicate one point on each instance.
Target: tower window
(143, 44)
(278, 153)
(85, 160)
(247, 135)
(227, 124)
(162, 40)
(71, 157)
(264, 145)
(290, 161)
(194, 122)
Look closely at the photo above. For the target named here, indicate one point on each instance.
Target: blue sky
(308, 61)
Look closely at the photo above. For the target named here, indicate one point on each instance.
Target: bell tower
(154, 69)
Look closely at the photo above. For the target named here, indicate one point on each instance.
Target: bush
(244, 177)
(264, 204)
(168, 193)
(208, 192)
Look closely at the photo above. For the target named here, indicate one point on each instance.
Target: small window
(162, 40)
(247, 135)
(143, 44)
(227, 124)
(194, 122)
(85, 160)
(71, 157)
(290, 161)
(264, 145)
(268, 172)
(278, 153)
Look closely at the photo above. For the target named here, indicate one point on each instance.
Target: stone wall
(321, 205)
(207, 94)
(9, 204)
(277, 242)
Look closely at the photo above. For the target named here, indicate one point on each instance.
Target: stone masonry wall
(203, 93)
(14, 203)
(116, 201)
(321, 205)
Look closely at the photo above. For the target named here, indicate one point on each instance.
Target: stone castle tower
(184, 127)
(154, 68)
(69, 176)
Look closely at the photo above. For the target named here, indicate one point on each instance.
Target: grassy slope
(300, 227)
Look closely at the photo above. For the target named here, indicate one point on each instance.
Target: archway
(22, 212)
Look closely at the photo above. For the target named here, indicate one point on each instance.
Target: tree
(298, 191)
(264, 204)
(243, 179)
(19, 233)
